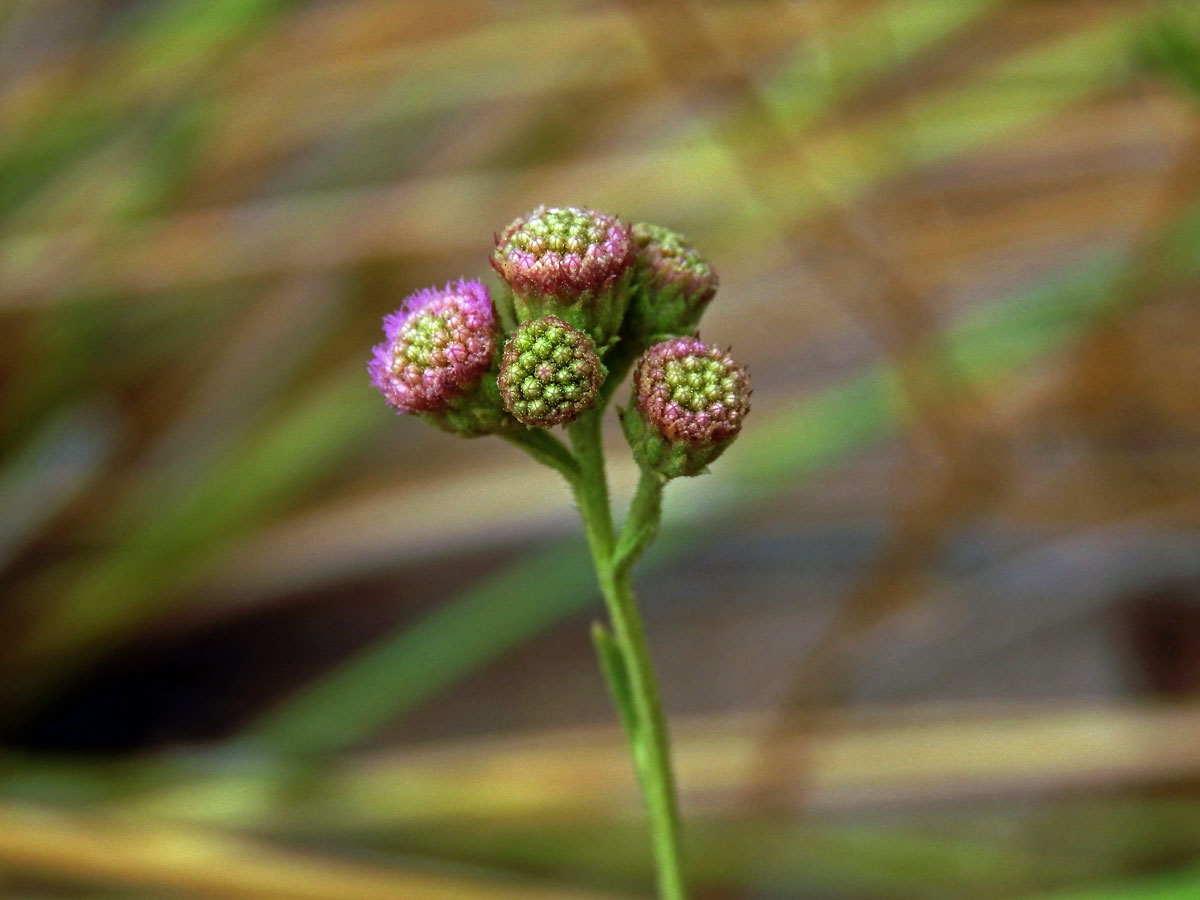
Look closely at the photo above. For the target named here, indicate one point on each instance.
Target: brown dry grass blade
(188, 861)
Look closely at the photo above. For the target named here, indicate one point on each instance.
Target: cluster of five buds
(583, 294)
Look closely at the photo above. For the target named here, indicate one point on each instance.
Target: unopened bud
(689, 400)
(550, 372)
(434, 361)
(673, 284)
(569, 262)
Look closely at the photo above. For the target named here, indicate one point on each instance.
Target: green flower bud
(550, 372)
(673, 284)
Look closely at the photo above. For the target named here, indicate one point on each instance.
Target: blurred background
(930, 630)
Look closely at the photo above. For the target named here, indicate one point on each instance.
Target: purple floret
(564, 252)
(438, 346)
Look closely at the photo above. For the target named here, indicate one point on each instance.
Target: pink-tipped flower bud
(550, 372)
(439, 347)
(673, 284)
(689, 400)
(570, 262)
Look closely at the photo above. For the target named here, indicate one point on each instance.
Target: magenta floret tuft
(439, 344)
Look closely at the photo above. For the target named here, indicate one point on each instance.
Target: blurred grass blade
(156, 49)
(870, 45)
(171, 547)
(564, 798)
(43, 477)
(426, 214)
(94, 849)
(1180, 885)
(411, 667)
(1169, 45)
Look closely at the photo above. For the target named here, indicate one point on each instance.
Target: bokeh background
(930, 630)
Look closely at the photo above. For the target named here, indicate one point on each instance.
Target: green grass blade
(410, 667)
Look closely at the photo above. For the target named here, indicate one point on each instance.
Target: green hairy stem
(624, 653)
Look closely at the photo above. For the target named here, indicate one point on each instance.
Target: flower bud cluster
(579, 286)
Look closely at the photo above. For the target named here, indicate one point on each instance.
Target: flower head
(439, 344)
(550, 372)
(689, 400)
(568, 261)
(673, 284)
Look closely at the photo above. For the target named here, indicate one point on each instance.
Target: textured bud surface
(563, 251)
(673, 284)
(439, 345)
(688, 391)
(550, 372)
(672, 263)
(689, 400)
(568, 261)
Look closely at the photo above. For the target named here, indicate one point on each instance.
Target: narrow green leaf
(1180, 885)
(615, 674)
